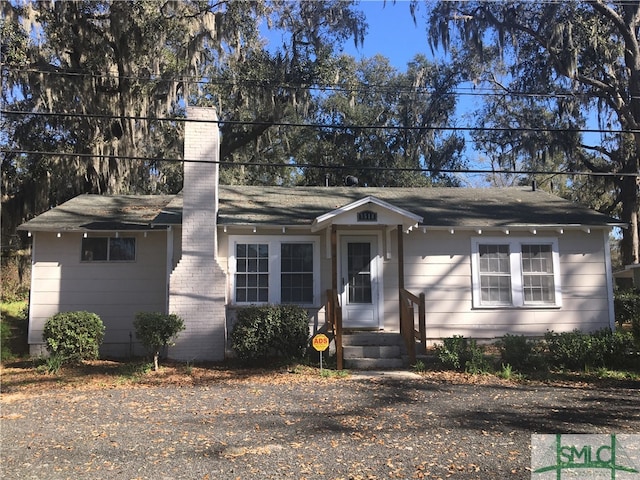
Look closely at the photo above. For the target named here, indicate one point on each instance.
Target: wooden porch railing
(334, 319)
(408, 302)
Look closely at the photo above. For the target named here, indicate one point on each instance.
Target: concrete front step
(374, 363)
(373, 350)
(372, 338)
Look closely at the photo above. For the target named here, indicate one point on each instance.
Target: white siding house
(488, 261)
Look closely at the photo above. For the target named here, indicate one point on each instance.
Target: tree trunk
(630, 206)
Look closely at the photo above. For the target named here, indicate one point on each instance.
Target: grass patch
(14, 325)
(327, 373)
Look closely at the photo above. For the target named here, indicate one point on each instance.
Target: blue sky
(392, 33)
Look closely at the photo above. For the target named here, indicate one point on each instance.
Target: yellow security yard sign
(320, 342)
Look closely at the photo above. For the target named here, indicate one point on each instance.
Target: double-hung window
(252, 272)
(517, 272)
(296, 273)
(274, 270)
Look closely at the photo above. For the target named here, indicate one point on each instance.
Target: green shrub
(263, 332)
(73, 336)
(459, 353)
(567, 349)
(611, 349)
(477, 362)
(156, 330)
(627, 306)
(454, 352)
(578, 351)
(520, 352)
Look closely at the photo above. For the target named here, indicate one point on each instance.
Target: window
(252, 272)
(495, 274)
(108, 249)
(275, 269)
(296, 273)
(515, 272)
(537, 274)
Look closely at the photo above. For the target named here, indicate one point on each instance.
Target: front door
(359, 281)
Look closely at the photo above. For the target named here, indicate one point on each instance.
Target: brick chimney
(197, 284)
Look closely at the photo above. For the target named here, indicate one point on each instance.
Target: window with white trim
(252, 272)
(516, 272)
(269, 269)
(296, 273)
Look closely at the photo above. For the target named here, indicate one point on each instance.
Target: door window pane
(359, 271)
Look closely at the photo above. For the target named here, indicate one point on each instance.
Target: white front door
(359, 281)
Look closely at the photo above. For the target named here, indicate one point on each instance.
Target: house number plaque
(367, 216)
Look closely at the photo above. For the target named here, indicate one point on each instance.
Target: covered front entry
(360, 272)
(359, 244)
(360, 240)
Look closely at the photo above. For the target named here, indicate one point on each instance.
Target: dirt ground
(109, 421)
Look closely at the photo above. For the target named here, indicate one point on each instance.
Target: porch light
(284, 229)
(479, 231)
(59, 235)
(255, 229)
(506, 231)
(452, 231)
(85, 235)
(28, 234)
(534, 231)
(587, 230)
(561, 231)
(424, 229)
(224, 229)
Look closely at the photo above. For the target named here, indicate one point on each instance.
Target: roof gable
(385, 214)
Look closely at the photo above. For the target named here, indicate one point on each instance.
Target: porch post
(334, 292)
(405, 314)
(400, 267)
(334, 258)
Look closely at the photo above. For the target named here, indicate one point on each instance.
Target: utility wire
(321, 125)
(460, 91)
(319, 166)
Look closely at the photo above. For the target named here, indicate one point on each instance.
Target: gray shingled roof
(100, 212)
(247, 205)
(437, 206)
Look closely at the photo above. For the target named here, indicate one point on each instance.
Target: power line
(319, 166)
(193, 79)
(321, 125)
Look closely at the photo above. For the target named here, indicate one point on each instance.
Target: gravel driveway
(361, 427)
